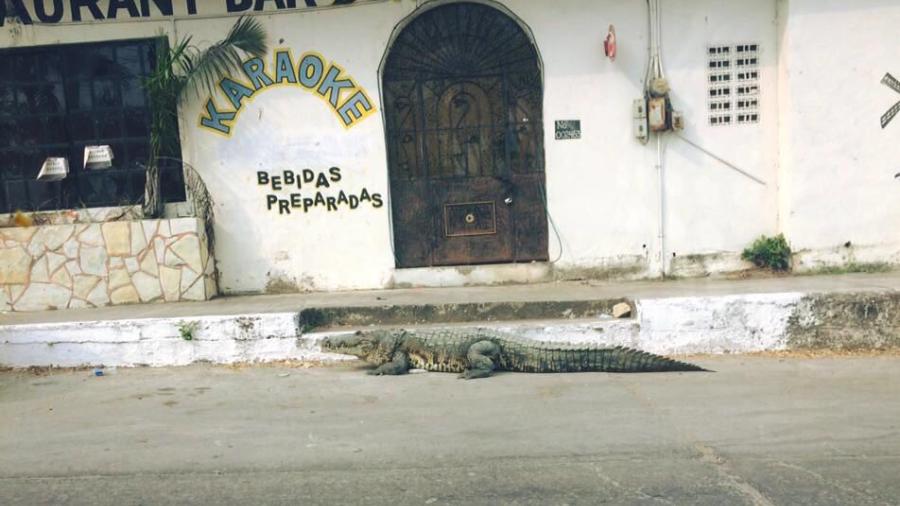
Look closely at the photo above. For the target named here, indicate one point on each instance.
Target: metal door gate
(463, 104)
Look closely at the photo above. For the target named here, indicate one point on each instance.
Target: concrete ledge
(155, 341)
(674, 326)
(725, 324)
(158, 353)
(208, 328)
(715, 323)
(851, 322)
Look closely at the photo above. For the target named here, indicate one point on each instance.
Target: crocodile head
(375, 347)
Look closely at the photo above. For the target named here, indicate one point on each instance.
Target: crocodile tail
(543, 357)
(627, 360)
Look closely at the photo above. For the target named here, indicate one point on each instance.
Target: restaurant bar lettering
(30, 12)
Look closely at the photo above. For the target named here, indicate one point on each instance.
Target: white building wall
(834, 183)
(838, 164)
(711, 207)
(291, 129)
(602, 189)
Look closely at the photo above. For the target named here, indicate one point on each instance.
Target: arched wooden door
(463, 104)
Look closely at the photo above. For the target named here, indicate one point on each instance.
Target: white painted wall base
(842, 256)
(475, 275)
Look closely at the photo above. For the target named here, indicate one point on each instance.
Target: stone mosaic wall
(98, 264)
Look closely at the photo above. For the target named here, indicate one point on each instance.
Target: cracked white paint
(156, 341)
(727, 324)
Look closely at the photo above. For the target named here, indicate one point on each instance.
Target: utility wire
(552, 223)
(722, 160)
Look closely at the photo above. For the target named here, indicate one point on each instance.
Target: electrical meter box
(657, 115)
(639, 113)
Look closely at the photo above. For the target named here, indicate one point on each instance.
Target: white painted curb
(671, 326)
(155, 341)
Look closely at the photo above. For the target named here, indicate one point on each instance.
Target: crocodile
(477, 354)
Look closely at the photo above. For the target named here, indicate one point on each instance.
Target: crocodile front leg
(481, 358)
(398, 365)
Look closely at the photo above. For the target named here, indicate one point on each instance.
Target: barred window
(54, 101)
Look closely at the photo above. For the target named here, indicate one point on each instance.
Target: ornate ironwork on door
(463, 103)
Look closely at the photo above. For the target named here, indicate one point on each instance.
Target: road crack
(709, 455)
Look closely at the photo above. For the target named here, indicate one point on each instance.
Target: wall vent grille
(733, 94)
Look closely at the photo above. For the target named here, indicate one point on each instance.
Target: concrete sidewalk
(544, 292)
(669, 317)
(758, 432)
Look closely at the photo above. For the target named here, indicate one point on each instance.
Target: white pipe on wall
(660, 170)
(654, 71)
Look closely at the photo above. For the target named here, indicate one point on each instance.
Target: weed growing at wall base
(769, 252)
(187, 330)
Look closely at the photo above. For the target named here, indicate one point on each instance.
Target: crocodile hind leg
(398, 365)
(481, 358)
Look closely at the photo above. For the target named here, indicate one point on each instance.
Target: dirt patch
(281, 286)
(288, 364)
(797, 354)
(41, 371)
(890, 352)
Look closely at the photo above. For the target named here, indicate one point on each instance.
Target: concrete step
(456, 312)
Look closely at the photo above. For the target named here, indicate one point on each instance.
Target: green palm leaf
(185, 70)
(203, 69)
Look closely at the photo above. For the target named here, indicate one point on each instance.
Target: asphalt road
(758, 431)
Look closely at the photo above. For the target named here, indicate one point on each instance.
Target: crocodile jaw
(357, 345)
